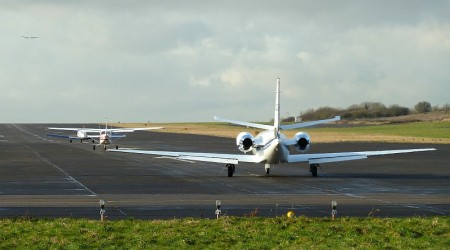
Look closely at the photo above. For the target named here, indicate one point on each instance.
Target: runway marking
(334, 192)
(430, 209)
(61, 170)
(32, 134)
(354, 195)
(69, 177)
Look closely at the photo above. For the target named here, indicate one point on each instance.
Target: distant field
(418, 132)
(228, 233)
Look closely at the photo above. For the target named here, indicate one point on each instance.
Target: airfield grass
(228, 233)
(411, 132)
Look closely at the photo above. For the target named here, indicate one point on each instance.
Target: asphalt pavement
(42, 176)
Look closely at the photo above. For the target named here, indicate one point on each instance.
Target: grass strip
(228, 233)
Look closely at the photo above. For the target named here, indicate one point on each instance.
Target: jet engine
(302, 141)
(244, 141)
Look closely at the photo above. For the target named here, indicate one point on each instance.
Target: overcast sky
(174, 61)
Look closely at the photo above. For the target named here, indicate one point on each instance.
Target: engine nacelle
(244, 141)
(303, 141)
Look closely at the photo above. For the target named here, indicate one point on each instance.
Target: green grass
(228, 233)
(416, 129)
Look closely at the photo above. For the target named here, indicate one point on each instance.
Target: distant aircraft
(103, 137)
(30, 37)
(272, 147)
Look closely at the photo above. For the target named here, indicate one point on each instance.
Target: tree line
(367, 110)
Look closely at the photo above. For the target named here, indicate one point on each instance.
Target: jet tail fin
(276, 125)
(276, 120)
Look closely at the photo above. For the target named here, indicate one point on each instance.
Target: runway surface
(42, 176)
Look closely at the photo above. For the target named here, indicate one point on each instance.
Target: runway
(42, 176)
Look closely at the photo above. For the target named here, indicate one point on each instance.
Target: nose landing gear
(231, 169)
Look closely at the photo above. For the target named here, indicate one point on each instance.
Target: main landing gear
(313, 169)
(231, 169)
(104, 147)
(267, 168)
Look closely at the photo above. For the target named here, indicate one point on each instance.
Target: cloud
(183, 61)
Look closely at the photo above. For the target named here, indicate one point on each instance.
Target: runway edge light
(333, 209)
(102, 210)
(218, 211)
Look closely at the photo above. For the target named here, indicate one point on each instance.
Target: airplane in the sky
(271, 147)
(103, 137)
(30, 37)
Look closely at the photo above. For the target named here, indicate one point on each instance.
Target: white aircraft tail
(277, 120)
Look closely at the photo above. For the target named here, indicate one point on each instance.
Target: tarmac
(42, 176)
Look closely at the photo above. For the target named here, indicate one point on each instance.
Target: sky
(184, 61)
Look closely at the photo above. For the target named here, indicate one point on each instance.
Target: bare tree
(422, 107)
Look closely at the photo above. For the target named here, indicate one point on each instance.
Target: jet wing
(68, 129)
(66, 136)
(87, 130)
(336, 157)
(129, 130)
(115, 136)
(206, 157)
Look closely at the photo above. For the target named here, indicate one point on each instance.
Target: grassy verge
(416, 132)
(422, 132)
(228, 233)
(416, 129)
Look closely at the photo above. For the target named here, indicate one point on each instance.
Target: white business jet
(272, 147)
(100, 136)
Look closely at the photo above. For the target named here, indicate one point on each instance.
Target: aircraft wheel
(313, 169)
(231, 170)
(117, 147)
(93, 147)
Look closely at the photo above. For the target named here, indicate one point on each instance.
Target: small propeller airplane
(103, 137)
(30, 37)
(271, 147)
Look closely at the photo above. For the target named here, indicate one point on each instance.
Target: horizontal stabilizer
(309, 124)
(245, 124)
